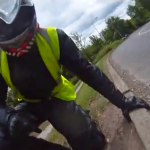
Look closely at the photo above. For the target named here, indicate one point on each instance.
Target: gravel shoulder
(139, 88)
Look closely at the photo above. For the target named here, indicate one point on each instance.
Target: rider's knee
(91, 139)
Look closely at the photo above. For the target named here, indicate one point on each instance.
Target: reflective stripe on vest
(56, 75)
(48, 45)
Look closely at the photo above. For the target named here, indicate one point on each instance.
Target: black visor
(10, 8)
(22, 22)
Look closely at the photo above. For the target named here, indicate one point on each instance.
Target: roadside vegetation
(115, 32)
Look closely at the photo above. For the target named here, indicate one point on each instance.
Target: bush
(74, 80)
(11, 98)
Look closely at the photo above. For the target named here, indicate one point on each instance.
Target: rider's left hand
(21, 123)
(131, 104)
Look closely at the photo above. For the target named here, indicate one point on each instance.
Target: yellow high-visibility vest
(48, 45)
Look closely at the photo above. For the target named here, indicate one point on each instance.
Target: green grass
(56, 137)
(106, 49)
(76, 85)
(86, 93)
(74, 80)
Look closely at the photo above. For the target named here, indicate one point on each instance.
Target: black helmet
(18, 24)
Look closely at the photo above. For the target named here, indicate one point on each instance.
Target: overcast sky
(78, 15)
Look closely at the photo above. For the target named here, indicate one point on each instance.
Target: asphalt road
(134, 54)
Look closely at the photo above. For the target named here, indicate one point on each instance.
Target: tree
(11, 98)
(117, 28)
(138, 13)
(80, 43)
(95, 40)
(113, 23)
(114, 29)
(108, 34)
(78, 39)
(130, 26)
(145, 3)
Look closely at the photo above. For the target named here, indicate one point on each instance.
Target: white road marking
(144, 32)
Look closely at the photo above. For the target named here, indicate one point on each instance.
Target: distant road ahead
(134, 54)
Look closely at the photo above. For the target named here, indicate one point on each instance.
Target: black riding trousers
(68, 118)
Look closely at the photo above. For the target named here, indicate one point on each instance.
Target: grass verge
(78, 83)
(74, 80)
(86, 93)
(90, 99)
(107, 49)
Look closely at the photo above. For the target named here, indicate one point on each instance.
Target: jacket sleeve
(71, 58)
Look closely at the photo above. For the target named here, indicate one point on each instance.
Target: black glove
(21, 124)
(131, 104)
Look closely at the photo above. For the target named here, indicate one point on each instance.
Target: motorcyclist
(31, 59)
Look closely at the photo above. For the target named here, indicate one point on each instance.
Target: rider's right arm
(3, 95)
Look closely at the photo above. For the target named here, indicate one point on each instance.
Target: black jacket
(30, 75)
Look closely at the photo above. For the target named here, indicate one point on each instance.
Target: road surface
(134, 54)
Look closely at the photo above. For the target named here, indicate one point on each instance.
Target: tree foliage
(116, 29)
(138, 13)
(145, 4)
(78, 39)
